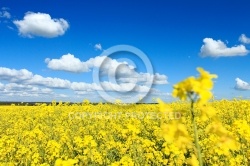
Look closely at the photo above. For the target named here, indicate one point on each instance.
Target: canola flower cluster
(207, 133)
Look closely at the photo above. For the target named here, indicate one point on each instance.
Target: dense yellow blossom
(68, 134)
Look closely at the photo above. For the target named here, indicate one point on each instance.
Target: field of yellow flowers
(107, 134)
(193, 132)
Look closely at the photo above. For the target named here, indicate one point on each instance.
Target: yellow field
(105, 134)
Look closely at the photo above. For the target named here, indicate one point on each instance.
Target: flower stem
(196, 139)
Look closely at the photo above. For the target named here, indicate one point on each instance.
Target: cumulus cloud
(244, 39)
(26, 77)
(98, 46)
(217, 48)
(41, 24)
(14, 75)
(13, 89)
(23, 84)
(70, 63)
(241, 85)
(124, 72)
(50, 82)
(67, 63)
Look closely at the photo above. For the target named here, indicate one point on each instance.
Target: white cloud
(160, 79)
(98, 46)
(13, 75)
(67, 63)
(142, 89)
(70, 63)
(26, 80)
(46, 90)
(57, 83)
(96, 62)
(244, 39)
(108, 66)
(26, 77)
(14, 86)
(41, 24)
(13, 89)
(23, 83)
(124, 72)
(217, 48)
(81, 86)
(241, 85)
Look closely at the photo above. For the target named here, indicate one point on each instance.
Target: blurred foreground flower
(195, 88)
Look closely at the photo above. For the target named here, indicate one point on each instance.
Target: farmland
(108, 134)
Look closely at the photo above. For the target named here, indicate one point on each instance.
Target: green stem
(196, 139)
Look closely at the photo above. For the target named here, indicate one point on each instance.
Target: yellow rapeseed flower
(194, 88)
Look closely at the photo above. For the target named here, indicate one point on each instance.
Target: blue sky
(46, 48)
